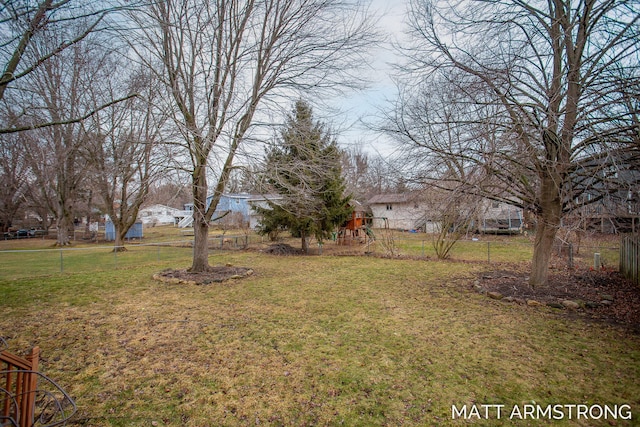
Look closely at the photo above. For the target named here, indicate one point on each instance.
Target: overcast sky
(364, 105)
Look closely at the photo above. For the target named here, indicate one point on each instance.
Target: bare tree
(25, 26)
(538, 84)
(221, 60)
(123, 149)
(59, 90)
(170, 189)
(368, 174)
(14, 177)
(454, 213)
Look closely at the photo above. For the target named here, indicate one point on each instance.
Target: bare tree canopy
(60, 89)
(223, 60)
(27, 26)
(515, 95)
(124, 146)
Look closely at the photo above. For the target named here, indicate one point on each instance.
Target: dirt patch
(602, 295)
(215, 274)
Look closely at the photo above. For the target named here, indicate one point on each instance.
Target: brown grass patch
(308, 341)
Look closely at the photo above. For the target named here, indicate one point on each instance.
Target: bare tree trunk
(305, 243)
(65, 226)
(87, 227)
(119, 239)
(200, 260)
(548, 225)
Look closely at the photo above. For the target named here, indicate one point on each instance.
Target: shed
(135, 232)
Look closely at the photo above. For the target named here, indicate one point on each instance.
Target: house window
(389, 207)
(495, 205)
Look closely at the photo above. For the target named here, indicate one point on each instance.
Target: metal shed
(135, 232)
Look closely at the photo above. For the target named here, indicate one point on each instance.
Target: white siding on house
(261, 202)
(402, 211)
(158, 214)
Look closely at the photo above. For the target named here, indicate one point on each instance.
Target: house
(158, 214)
(419, 211)
(403, 211)
(232, 211)
(259, 201)
(607, 189)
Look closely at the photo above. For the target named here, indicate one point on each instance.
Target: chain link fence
(41, 262)
(488, 249)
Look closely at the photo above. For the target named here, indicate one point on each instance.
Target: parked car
(35, 232)
(22, 233)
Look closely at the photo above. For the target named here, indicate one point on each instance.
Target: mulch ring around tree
(216, 274)
(597, 295)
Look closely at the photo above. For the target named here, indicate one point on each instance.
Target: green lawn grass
(317, 340)
(509, 249)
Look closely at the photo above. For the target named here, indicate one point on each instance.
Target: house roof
(158, 206)
(232, 196)
(264, 197)
(392, 198)
(357, 206)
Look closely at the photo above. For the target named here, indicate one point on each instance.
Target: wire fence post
(489, 252)
(61, 262)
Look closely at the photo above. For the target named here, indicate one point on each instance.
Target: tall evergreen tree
(304, 169)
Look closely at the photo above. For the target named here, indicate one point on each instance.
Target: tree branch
(65, 122)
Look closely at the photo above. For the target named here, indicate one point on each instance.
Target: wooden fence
(630, 257)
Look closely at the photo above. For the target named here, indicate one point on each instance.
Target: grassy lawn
(355, 341)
